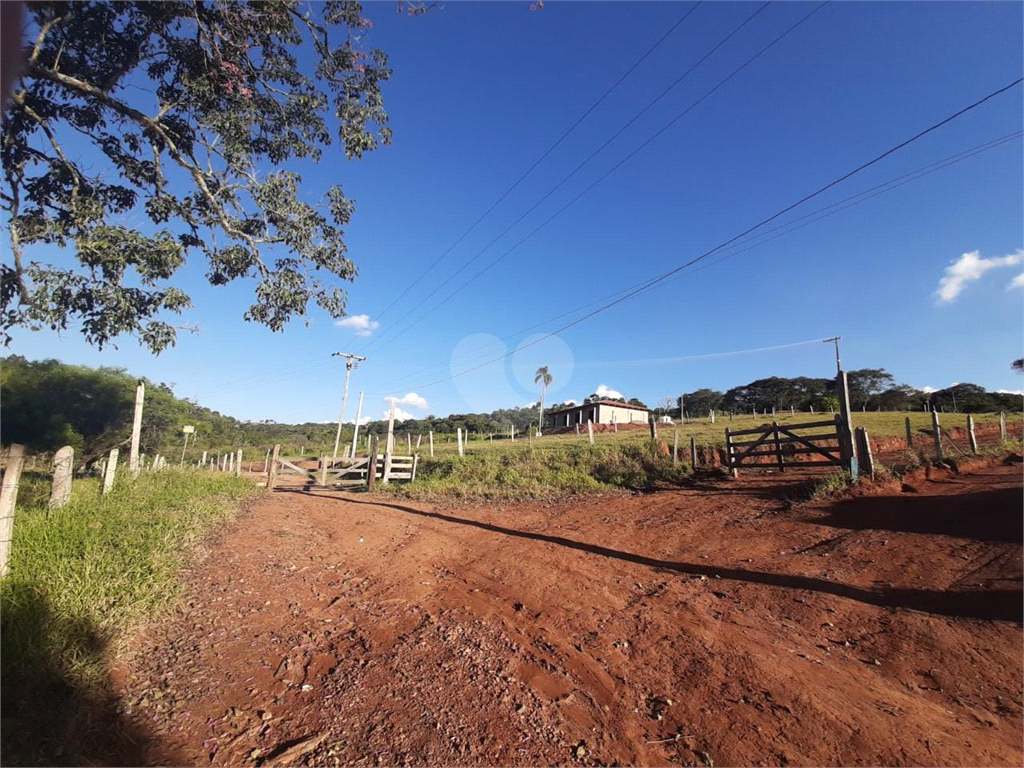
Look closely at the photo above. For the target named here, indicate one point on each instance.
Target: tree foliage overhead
(143, 133)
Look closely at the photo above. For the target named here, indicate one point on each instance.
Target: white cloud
(929, 390)
(1017, 282)
(400, 414)
(411, 399)
(361, 324)
(970, 267)
(604, 391)
(570, 401)
(1010, 391)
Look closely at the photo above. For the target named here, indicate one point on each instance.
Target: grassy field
(84, 575)
(880, 425)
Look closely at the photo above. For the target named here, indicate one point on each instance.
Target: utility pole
(351, 361)
(835, 340)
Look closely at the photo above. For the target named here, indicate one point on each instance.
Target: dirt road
(713, 625)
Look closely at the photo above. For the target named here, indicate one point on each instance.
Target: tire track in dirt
(706, 625)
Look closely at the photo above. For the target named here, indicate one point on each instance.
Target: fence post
(849, 455)
(238, 464)
(231, 462)
(8, 497)
(371, 466)
(323, 469)
(729, 451)
(654, 428)
(577, 429)
(386, 475)
(202, 462)
(590, 430)
(458, 438)
(867, 462)
(63, 464)
(415, 461)
(1002, 426)
(133, 457)
(910, 434)
(108, 476)
(389, 448)
(778, 447)
(272, 468)
(937, 435)
(266, 461)
(408, 442)
(970, 434)
(693, 452)
(419, 439)
(675, 450)
(712, 412)
(430, 434)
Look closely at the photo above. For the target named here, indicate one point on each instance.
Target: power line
(540, 159)
(647, 285)
(706, 356)
(611, 170)
(782, 230)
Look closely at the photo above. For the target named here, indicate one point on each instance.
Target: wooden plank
(793, 451)
(808, 443)
(754, 431)
(794, 439)
(759, 441)
(300, 470)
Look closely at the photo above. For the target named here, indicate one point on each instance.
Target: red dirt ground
(719, 624)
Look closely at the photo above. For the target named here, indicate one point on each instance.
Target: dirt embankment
(712, 625)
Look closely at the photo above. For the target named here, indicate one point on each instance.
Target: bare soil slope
(714, 625)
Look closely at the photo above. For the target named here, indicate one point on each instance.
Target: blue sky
(481, 90)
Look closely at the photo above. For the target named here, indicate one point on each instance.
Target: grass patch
(81, 577)
(523, 472)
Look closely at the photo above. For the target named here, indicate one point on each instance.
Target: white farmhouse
(598, 411)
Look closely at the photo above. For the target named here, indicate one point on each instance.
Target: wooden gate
(775, 445)
(334, 473)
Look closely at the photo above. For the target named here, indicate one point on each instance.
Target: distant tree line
(46, 404)
(870, 389)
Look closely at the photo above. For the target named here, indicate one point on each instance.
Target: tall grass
(525, 472)
(84, 575)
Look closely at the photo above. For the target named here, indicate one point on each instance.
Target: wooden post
(458, 438)
(693, 452)
(430, 435)
(654, 428)
(355, 429)
(590, 430)
(812, 409)
(8, 498)
(415, 461)
(675, 450)
(419, 439)
(266, 462)
(778, 446)
(63, 464)
(389, 447)
(845, 427)
(323, 470)
(238, 463)
(910, 433)
(133, 457)
(729, 451)
(792, 411)
(371, 467)
(408, 442)
(272, 470)
(866, 461)
(386, 474)
(937, 435)
(108, 476)
(1002, 426)
(970, 434)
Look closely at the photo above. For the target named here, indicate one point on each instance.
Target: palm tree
(543, 378)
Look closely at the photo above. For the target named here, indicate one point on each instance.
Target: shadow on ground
(994, 605)
(50, 714)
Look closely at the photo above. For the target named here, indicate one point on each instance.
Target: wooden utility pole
(351, 361)
(133, 457)
(355, 431)
(8, 498)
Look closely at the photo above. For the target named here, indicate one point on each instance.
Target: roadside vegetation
(526, 472)
(83, 576)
